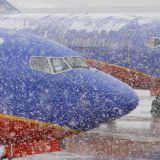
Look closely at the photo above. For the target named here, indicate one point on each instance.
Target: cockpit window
(153, 42)
(58, 65)
(76, 62)
(40, 63)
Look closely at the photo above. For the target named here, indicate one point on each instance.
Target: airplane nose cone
(117, 103)
(105, 98)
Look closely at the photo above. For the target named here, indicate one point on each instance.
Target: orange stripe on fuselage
(132, 77)
(14, 129)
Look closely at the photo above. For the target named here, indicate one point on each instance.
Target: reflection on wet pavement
(133, 137)
(136, 135)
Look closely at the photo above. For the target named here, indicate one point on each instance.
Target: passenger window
(58, 65)
(40, 63)
(153, 42)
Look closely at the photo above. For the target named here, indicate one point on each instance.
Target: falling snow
(48, 91)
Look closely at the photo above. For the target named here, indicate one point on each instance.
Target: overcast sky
(84, 3)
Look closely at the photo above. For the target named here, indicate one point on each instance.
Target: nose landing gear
(155, 111)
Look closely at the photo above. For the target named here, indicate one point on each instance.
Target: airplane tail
(7, 8)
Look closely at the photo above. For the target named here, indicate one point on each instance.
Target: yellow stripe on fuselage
(2, 115)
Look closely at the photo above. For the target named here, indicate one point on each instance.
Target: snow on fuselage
(47, 90)
(123, 40)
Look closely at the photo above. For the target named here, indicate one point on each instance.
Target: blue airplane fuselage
(121, 40)
(77, 99)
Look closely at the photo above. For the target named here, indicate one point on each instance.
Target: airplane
(7, 8)
(127, 47)
(48, 92)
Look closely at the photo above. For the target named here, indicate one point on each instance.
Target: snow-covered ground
(136, 128)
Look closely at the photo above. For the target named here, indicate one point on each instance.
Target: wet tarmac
(135, 136)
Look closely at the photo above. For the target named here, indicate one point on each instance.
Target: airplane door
(125, 48)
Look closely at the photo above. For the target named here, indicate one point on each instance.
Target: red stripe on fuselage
(31, 148)
(134, 78)
(13, 131)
